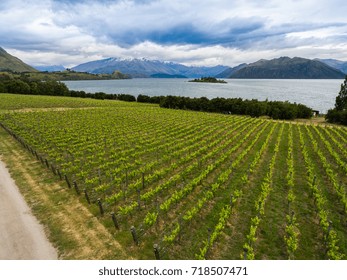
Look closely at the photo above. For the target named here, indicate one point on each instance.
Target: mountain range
(12, 63)
(50, 68)
(284, 68)
(144, 68)
(278, 68)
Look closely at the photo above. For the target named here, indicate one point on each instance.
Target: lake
(317, 94)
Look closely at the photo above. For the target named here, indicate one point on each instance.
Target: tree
(339, 113)
(341, 99)
(100, 95)
(18, 86)
(143, 98)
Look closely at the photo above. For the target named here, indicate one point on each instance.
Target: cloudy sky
(192, 32)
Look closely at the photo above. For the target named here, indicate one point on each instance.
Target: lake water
(317, 94)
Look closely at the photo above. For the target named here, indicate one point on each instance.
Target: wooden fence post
(156, 251)
(133, 233)
(67, 181)
(114, 219)
(100, 207)
(76, 188)
(86, 195)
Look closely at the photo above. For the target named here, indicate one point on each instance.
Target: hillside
(144, 68)
(67, 76)
(287, 68)
(337, 64)
(12, 63)
(231, 70)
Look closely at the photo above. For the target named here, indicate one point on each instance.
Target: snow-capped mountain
(142, 68)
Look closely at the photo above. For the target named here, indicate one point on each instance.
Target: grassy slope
(9, 62)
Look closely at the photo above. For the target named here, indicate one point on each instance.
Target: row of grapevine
(330, 235)
(328, 169)
(178, 195)
(291, 229)
(237, 193)
(149, 179)
(174, 180)
(265, 189)
(223, 177)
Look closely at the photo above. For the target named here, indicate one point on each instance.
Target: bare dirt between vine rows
(21, 235)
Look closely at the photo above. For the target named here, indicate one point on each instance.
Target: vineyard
(173, 184)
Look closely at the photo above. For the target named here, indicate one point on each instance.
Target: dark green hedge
(53, 88)
(254, 108)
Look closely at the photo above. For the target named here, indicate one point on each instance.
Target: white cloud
(201, 32)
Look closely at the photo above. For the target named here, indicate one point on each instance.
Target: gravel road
(21, 235)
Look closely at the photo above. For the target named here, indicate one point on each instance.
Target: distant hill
(230, 70)
(69, 75)
(337, 64)
(144, 68)
(51, 68)
(287, 68)
(12, 63)
(168, 76)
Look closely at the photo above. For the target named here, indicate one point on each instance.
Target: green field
(199, 185)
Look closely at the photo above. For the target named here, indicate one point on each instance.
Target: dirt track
(21, 235)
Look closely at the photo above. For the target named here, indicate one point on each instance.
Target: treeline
(208, 80)
(339, 113)
(53, 88)
(237, 106)
(149, 99)
(103, 95)
(254, 108)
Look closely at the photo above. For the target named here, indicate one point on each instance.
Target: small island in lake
(208, 80)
